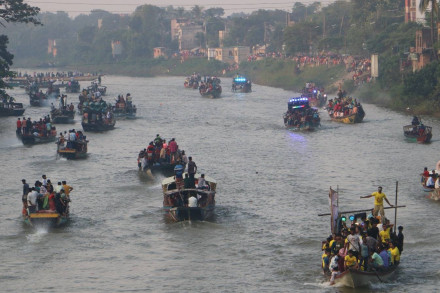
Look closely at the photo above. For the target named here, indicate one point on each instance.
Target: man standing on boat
(192, 168)
(379, 196)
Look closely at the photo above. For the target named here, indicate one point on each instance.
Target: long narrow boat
(77, 151)
(418, 133)
(355, 278)
(62, 116)
(11, 109)
(30, 139)
(214, 93)
(47, 219)
(97, 123)
(349, 119)
(175, 197)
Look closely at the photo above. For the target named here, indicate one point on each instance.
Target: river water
(272, 184)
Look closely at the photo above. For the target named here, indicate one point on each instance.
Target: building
(116, 48)
(422, 54)
(231, 55)
(52, 47)
(185, 32)
(412, 11)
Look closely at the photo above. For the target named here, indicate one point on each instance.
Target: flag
(333, 202)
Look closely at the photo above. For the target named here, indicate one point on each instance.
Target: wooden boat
(11, 109)
(97, 88)
(37, 99)
(48, 219)
(349, 119)
(79, 150)
(122, 111)
(97, 125)
(418, 133)
(30, 139)
(191, 84)
(423, 181)
(73, 87)
(214, 93)
(317, 97)
(241, 84)
(62, 116)
(175, 195)
(355, 278)
(300, 116)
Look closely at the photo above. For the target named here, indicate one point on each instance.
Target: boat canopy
(300, 102)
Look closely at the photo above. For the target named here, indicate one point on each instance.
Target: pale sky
(76, 7)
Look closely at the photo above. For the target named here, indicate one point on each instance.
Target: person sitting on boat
(201, 184)
(375, 261)
(350, 261)
(383, 253)
(192, 201)
(334, 268)
(415, 121)
(379, 196)
(430, 183)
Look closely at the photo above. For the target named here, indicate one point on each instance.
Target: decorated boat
(211, 88)
(73, 87)
(418, 133)
(241, 84)
(73, 149)
(360, 273)
(300, 116)
(317, 97)
(98, 122)
(11, 109)
(124, 108)
(188, 204)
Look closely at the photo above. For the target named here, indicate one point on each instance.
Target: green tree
(12, 11)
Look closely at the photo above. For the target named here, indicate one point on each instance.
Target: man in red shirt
(18, 126)
(173, 149)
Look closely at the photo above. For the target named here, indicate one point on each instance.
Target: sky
(76, 7)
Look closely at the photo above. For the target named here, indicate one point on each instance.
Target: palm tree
(423, 6)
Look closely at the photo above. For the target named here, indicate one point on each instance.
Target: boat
(175, 196)
(418, 133)
(424, 179)
(98, 122)
(317, 97)
(192, 82)
(45, 219)
(64, 114)
(124, 109)
(354, 277)
(300, 116)
(211, 88)
(241, 84)
(11, 109)
(30, 139)
(97, 87)
(73, 87)
(37, 99)
(73, 150)
(347, 111)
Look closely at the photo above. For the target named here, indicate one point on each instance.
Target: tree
(12, 11)
(423, 6)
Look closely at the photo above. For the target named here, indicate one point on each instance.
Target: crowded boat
(72, 145)
(8, 107)
(65, 113)
(97, 87)
(300, 116)
(345, 109)
(46, 203)
(97, 117)
(161, 156)
(211, 87)
(73, 86)
(124, 108)
(417, 131)
(188, 196)
(36, 132)
(364, 247)
(192, 81)
(315, 94)
(241, 84)
(37, 98)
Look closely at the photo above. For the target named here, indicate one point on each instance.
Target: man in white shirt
(192, 202)
(32, 200)
(430, 182)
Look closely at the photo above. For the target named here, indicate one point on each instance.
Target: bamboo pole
(359, 211)
(395, 204)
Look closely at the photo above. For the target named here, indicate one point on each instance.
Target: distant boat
(11, 109)
(47, 219)
(175, 198)
(418, 133)
(30, 139)
(241, 84)
(76, 151)
(300, 116)
(97, 122)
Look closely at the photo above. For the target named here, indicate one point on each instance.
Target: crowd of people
(40, 128)
(74, 140)
(124, 105)
(94, 108)
(159, 151)
(300, 115)
(368, 244)
(210, 84)
(43, 197)
(63, 106)
(343, 105)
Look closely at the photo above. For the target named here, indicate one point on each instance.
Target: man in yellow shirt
(395, 254)
(379, 196)
(385, 233)
(67, 189)
(350, 261)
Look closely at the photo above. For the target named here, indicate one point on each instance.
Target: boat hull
(179, 214)
(356, 278)
(97, 127)
(349, 119)
(45, 219)
(31, 139)
(15, 109)
(416, 136)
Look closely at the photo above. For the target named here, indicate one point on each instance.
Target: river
(272, 184)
